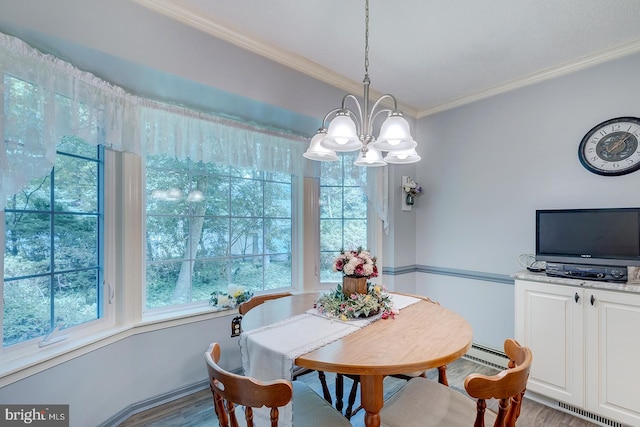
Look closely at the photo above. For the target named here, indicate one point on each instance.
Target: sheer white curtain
(377, 190)
(188, 134)
(46, 99)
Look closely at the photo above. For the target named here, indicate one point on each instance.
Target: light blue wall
(105, 382)
(486, 167)
(489, 165)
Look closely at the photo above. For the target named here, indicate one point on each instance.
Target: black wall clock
(611, 148)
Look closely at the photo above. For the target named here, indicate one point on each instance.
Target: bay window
(113, 206)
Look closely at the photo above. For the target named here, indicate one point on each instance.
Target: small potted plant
(412, 189)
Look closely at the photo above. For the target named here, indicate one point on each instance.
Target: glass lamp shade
(317, 152)
(372, 158)
(342, 134)
(402, 156)
(395, 135)
(195, 196)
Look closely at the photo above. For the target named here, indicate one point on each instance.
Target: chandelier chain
(351, 130)
(366, 37)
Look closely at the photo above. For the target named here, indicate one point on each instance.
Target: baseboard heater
(574, 410)
(487, 356)
(589, 415)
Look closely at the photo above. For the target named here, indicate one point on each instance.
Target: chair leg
(442, 375)
(325, 388)
(352, 398)
(339, 391)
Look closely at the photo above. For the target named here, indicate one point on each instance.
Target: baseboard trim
(161, 399)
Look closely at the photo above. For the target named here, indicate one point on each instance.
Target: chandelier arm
(359, 116)
(324, 121)
(383, 97)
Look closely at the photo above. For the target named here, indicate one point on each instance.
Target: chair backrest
(230, 390)
(257, 300)
(507, 386)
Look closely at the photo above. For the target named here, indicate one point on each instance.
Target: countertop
(632, 286)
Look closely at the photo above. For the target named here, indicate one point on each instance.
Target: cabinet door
(613, 348)
(549, 320)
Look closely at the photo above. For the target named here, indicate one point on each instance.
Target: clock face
(612, 147)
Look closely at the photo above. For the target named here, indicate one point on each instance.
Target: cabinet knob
(593, 300)
(576, 297)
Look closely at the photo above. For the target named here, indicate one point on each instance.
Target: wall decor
(611, 147)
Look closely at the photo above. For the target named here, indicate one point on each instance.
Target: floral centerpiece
(356, 266)
(358, 263)
(234, 296)
(374, 301)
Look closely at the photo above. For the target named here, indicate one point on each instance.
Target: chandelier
(351, 130)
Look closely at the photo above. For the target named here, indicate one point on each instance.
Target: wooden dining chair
(425, 403)
(236, 396)
(298, 371)
(255, 301)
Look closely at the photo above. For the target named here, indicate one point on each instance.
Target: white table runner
(268, 353)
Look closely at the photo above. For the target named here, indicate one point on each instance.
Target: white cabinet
(585, 343)
(612, 338)
(551, 323)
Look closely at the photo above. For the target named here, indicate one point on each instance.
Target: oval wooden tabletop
(423, 336)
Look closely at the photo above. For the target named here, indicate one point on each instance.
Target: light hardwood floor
(196, 410)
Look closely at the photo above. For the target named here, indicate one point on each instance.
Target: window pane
(326, 262)
(331, 238)
(343, 213)
(161, 283)
(277, 199)
(277, 271)
(36, 196)
(355, 233)
(331, 202)
(248, 271)
(216, 195)
(246, 197)
(209, 276)
(166, 237)
(27, 309)
(73, 145)
(246, 236)
(75, 240)
(52, 256)
(215, 238)
(75, 299)
(277, 234)
(218, 237)
(355, 203)
(76, 185)
(166, 192)
(27, 243)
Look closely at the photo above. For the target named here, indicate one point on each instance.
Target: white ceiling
(432, 55)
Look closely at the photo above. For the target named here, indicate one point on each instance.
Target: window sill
(20, 364)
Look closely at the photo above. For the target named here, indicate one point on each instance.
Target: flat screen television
(608, 237)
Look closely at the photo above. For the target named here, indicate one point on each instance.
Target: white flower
(411, 187)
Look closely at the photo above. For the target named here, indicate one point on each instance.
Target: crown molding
(182, 12)
(548, 74)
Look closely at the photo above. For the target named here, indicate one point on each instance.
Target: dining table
(423, 335)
